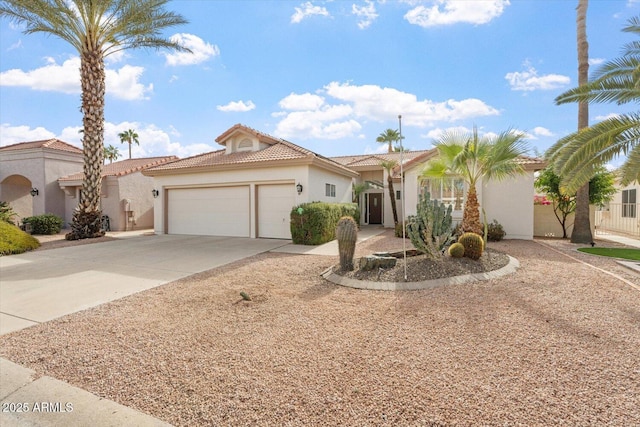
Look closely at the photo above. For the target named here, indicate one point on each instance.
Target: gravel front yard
(557, 342)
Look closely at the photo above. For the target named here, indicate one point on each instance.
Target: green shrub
(495, 232)
(7, 213)
(44, 224)
(456, 250)
(315, 223)
(15, 241)
(473, 245)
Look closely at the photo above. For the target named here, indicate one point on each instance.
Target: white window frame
(629, 203)
(446, 185)
(330, 190)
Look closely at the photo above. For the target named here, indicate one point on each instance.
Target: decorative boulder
(373, 262)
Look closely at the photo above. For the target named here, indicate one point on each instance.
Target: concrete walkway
(40, 286)
(628, 241)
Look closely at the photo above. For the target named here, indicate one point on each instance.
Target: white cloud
(10, 135)
(154, 141)
(122, 83)
(16, 45)
(201, 50)
(345, 107)
(379, 104)
(596, 61)
(448, 12)
(307, 9)
(367, 13)
(529, 80)
(608, 116)
(237, 106)
(540, 131)
(306, 101)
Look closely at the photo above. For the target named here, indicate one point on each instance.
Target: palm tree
(472, 158)
(96, 29)
(388, 165)
(129, 136)
(111, 153)
(579, 154)
(389, 136)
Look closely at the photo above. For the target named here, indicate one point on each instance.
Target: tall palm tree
(389, 136)
(388, 165)
(96, 29)
(473, 158)
(582, 225)
(111, 153)
(579, 154)
(129, 136)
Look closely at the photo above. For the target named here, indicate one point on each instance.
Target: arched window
(245, 145)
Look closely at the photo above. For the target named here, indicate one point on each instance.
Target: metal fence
(621, 218)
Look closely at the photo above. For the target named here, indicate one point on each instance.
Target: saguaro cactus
(347, 234)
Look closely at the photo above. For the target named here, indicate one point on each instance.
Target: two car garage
(231, 210)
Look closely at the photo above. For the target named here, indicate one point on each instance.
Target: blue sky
(327, 75)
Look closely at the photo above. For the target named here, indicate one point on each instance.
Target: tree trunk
(392, 195)
(471, 215)
(87, 215)
(582, 226)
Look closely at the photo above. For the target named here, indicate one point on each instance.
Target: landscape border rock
(329, 275)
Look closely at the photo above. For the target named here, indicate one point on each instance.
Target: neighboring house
(126, 195)
(29, 172)
(246, 189)
(622, 214)
(510, 202)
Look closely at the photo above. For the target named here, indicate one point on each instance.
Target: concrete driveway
(40, 286)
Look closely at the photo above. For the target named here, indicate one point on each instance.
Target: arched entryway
(16, 190)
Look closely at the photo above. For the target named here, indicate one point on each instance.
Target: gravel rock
(555, 343)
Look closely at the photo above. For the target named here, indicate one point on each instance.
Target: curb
(510, 268)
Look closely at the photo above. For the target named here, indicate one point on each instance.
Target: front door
(375, 208)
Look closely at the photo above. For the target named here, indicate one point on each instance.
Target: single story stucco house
(246, 189)
(29, 173)
(249, 187)
(126, 196)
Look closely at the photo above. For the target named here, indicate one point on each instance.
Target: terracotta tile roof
(278, 150)
(125, 167)
(375, 159)
(52, 144)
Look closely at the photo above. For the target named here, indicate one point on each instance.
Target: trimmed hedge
(15, 241)
(315, 223)
(44, 224)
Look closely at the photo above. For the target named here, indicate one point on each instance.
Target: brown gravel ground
(555, 343)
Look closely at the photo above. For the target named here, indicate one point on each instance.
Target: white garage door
(221, 211)
(274, 210)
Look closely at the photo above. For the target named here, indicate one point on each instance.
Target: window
(245, 145)
(398, 195)
(629, 203)
(449, 191)
(330, 190)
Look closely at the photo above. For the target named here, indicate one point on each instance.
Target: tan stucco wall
(42, 167)
(510, 202)
(547, 225)
(313, 180)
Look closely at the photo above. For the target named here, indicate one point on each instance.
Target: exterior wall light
(299, 188)
(34, 192)
(155, 193)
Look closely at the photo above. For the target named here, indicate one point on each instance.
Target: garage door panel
(274, 210)
(219, 211)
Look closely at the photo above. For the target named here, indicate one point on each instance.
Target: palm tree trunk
(392, 196)
(86, 221)
(471, 215)
(129, 149)
(582, 226)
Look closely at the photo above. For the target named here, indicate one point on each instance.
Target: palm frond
(576, 156)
